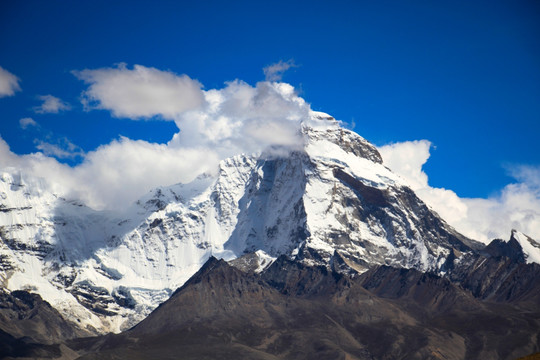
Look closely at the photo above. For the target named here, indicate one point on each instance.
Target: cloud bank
(9, 83)
(112, 176)
(516, 206)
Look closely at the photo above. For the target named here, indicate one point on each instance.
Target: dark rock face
(510, 249)
(350, 142)
(296, 279)
(24, 314)
(11, 347)
(500, 278)
(497, 273)
(30, 327)
(370, 195)
(294, 311)
(432, 293)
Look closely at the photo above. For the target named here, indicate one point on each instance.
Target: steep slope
(358, 207)
(45, 242)
(529, 247)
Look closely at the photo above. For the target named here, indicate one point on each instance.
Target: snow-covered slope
(530, 247)
(329, 200)
(44, 241)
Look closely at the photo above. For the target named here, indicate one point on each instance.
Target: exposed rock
(32, 328)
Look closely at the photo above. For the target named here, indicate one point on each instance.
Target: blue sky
(464, 75)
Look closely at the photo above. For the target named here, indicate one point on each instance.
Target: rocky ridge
(296, 311)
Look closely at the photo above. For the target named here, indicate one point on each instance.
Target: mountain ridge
(332, 203)
(297, 311)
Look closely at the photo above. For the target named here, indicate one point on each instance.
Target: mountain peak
(529, 246)
(345, 139)
(211, 266)
(332, 196)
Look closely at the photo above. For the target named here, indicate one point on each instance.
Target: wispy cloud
(140, 93)
(51, 104)
(27, 122)
(527, 174)
(9, 83)
(62, 149)
(275, 71)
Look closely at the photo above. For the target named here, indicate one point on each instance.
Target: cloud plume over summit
(241, 118)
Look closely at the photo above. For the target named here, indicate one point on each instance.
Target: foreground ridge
(295, 311)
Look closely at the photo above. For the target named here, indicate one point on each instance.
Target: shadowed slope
(30, 327)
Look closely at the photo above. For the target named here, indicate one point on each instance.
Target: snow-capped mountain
(331, 202)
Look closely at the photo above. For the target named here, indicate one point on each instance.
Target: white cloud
(407, 159)
(9, 83)
(526, 174)
(51, 104)
(27, 122)
(275, 71)
(141, 92)
(244, 119)
(114, 175)
(239, 118)
(54, 174)
(516, 206)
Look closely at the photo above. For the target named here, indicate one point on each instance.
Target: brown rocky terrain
(294, 311)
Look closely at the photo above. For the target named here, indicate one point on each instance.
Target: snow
(530, 247)
(264, 260)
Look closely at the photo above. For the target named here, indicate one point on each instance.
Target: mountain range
(313, 251)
